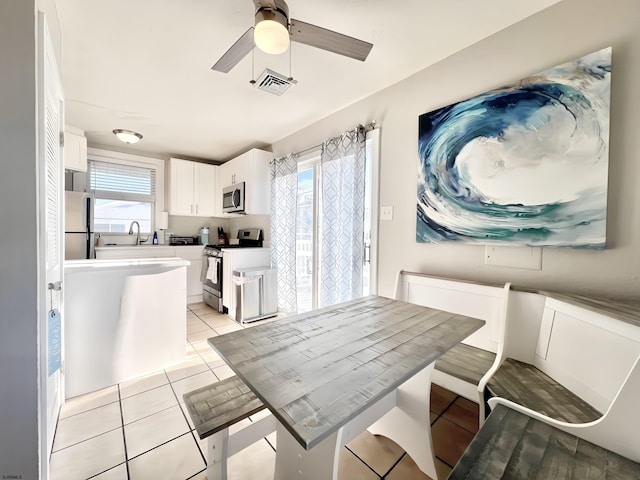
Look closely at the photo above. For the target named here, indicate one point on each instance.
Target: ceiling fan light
(127, 136)
(271, 32)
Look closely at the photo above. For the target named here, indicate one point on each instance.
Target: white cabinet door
(204, 189)
(259, 183)
(181, 187)
(253, 169)
(194, 271)
(75, 150)
(242, 167)
(192, 188)
(225, 175)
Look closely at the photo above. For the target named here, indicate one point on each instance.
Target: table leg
(408, 423)
(217, 452)
(293, 462)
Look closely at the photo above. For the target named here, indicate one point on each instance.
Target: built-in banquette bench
(568, 361)
(463, 369)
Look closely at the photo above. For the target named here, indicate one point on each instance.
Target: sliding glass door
(306, 234)
(309, 229)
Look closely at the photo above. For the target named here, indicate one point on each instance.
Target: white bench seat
(466, 362)
(512, 444)
(524, 384)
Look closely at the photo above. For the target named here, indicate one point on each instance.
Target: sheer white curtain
(341, 218)
(284, 200)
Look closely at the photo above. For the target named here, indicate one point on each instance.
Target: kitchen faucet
(131, 231)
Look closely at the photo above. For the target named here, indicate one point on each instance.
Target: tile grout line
(84, 411)
(204, 470)
(85, 440)
(366, 464)
(404, 454)
(161, 445)
(204, 361)
(453, 421)
(124, 438)
(441, 416)
(184, 415)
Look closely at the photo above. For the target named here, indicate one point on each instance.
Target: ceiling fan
(274, 29)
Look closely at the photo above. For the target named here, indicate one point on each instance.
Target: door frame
(374, 137)
(48, 81)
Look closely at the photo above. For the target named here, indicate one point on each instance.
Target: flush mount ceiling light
(271, 31)
(127, 136)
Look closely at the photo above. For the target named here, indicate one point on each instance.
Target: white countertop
(78, 265)
(144, 247)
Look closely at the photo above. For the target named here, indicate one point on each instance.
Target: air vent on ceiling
(274, 83)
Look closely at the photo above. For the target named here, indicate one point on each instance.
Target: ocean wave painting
(525, 164)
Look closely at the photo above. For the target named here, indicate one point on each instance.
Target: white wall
(18, 238)
(565, 31)
(251, 221)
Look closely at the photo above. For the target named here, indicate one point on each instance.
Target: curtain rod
(367, 128)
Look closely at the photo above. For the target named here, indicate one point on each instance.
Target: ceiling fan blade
(237, 52)
(319, 37)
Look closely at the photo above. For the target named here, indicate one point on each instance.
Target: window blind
(120, 181)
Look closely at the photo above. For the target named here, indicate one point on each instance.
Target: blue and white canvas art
(525, 164)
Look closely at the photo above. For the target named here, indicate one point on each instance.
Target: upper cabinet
(75, 149)
(253, 169)
(192, 188)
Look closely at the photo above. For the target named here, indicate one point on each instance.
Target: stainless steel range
(212, 283)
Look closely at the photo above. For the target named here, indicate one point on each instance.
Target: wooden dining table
(329, 374)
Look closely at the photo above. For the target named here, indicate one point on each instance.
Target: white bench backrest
(589, 353)
(464, 298)
(523, 325)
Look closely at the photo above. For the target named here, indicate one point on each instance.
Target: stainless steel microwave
(233, 198)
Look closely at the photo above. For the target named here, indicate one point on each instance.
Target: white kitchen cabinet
(233, 259)
(192, 188)
(194, 271)
(253, 169)
(75, 149)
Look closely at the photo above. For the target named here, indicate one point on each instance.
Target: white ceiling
(144, 65)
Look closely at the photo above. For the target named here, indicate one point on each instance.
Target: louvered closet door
(51, 125)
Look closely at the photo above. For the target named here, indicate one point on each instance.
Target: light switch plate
(386, 212)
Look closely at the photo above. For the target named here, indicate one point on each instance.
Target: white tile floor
(140, 430)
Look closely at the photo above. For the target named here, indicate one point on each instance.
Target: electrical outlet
(386, 212)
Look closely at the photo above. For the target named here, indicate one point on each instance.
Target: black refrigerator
(78, 226)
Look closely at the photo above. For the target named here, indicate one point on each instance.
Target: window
(123, 193)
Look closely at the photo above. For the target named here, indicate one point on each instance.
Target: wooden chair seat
(524, 384)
